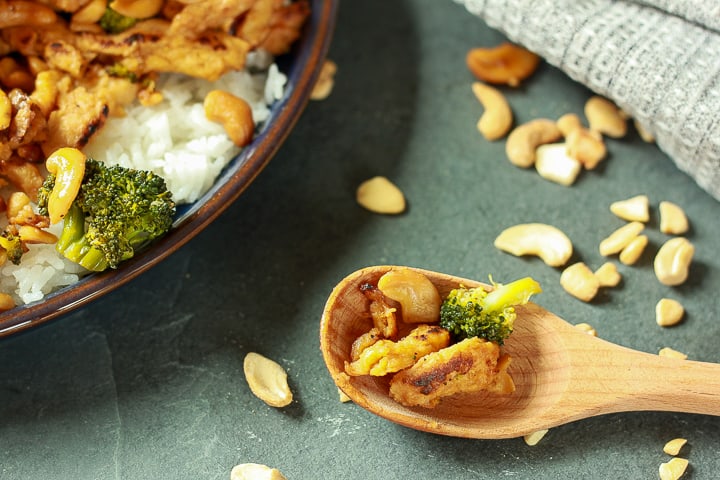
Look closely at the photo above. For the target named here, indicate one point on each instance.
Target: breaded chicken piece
(471, 365)
(386, 356)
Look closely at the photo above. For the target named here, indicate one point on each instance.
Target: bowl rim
(308, 57)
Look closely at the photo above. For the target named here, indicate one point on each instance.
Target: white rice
(172, 139)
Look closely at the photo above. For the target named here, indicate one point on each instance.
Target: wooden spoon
(561, 373)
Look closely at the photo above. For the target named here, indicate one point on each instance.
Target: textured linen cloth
(658, 60)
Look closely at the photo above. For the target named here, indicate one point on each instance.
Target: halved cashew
(620, 238)
(672, 262)
(580, 282)
(635, 209)
(674, 446)
(673, 220)
(137, 8)
(569, 122)
(673, 469)
(586, 146)
(91, 12)
(553, 163)
(633, 250)
(605, 117)
(644, 133)
(534, 438)
(497, 118)
(33, 234)
(255, 471)
(526, 138)
(546, 241)
(233, 113)
(418, 298)
(267, 380)
(20, 13)
(668, 312)
(506, 64)
(587, 328)
(68, 166)
(380, 195)
(608, 275)
(671, 353)
(325, 81)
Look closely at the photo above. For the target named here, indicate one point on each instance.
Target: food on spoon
(116, 211)
(474, 312)
(471, 365)
(458, 351)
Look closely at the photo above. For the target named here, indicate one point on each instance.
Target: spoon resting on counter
(561, 373)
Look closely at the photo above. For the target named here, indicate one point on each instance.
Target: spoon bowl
(561, 373)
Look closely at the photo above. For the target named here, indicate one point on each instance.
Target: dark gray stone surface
(147, 382)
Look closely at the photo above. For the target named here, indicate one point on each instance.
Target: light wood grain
(561, 373)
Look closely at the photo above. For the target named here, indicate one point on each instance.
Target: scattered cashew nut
(671, 353)
(608, 275)
(497, 119)
(553, 163)
(380, 195)
(633, 250)
(546, 241)
(326, 81)
(267, 380)
(137, 8)
(635, 209)
(580, 282)
(526, 138)
(605, 117)
(586, 146)
(674, 446)
(620, 238)
(673, 220)
(672, 261)
(419, 299)
(668, 312)
(255, 471)
(68, 166)
(506, 64)
(673, 469)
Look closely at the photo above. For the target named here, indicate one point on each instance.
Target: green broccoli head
(474, 312)
(114, 22)
(116, 212)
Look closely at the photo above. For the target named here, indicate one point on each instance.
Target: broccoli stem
(73, 243)
(513, 293)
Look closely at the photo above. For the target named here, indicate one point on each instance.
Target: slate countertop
(147, 382)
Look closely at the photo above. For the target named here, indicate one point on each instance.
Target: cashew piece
(68, 166)
(526, 138)
(546, 241)
(672, 262)
(605, 117)
(580, 282)
(633, 250)
(267, 380)
(608, 275)
(586, 146)
(91, 12)
(137, 8)
(497, 119)
(506, 64)
(668, 312)
(380, 195)
(233, 113)
(673, 220)
(635, 209)
(553, 163)
(620, 238)
(255, 471)
(419, 299)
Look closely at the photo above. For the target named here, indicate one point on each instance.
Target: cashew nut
(534, 438)
(553, 163)
(674, 446)
(633, 250)
(580, 282)
(137, 8)
(19, 13)
(587, 328)
(233, 113)
(5, 110)
(255, 471)
(546, 241)
(46, 90)
(418, 298)
(568, 122)
(673, 220)
(506, 64)
(671, 353)
(325, 82)
(668, 312)
(526, 138)
(635, 209)
(267, 380)
(33, 234)
(91, 12)
(68, 166)
(620, 238)
(608, 275)
(644, 134)
(497, 119)
(673, 469)
(605, 117)
(380, 195)
(672, 262)
(586, 146)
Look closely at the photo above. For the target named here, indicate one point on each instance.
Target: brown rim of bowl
(304, 68)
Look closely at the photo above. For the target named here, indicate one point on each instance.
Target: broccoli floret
(13, 245)
(474, 312)
(116, 212)
(114, 22)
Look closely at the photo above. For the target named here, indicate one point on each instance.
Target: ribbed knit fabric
(658, 60)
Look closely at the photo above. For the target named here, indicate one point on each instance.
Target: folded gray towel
(658, 60)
